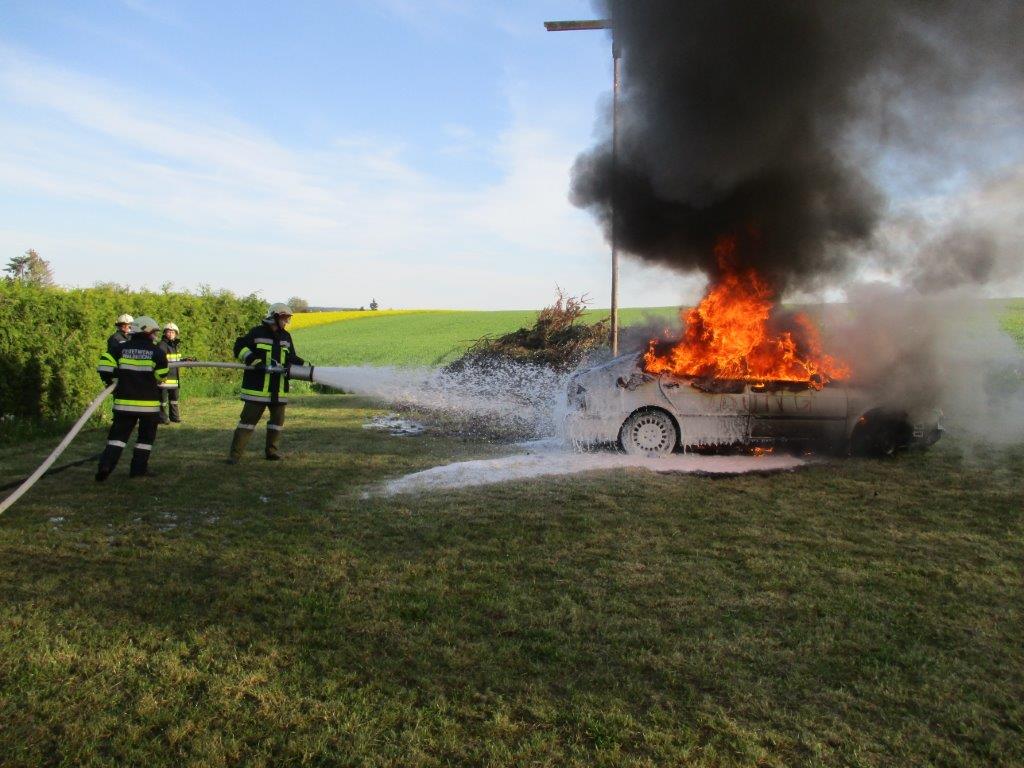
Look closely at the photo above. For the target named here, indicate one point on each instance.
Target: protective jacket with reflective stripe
(272, 347)
(108, 359)
(141, 366)
(170, 349)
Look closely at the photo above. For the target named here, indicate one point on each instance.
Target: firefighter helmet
(171, 327)
(146, 324)
(276, 310)
(125, 319)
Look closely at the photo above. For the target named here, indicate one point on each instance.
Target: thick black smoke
(760, 118)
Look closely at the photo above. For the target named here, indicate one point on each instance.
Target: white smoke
(947, 352)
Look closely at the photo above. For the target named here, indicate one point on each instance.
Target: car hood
(623, 365)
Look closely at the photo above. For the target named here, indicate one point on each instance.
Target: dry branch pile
(558, 340)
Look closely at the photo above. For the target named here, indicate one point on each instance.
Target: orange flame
(727, 335)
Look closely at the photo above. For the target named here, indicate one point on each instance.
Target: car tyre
(649, 433)
(879, 439)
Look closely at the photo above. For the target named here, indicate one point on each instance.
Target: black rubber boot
(238, 442)
(108, 461)
(140, 463)
(273, 442)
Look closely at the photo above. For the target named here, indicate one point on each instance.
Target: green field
(427, 338)
(437, 337)
(1013, 320)
(858, 613)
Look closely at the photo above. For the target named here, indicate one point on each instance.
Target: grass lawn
(863, 612)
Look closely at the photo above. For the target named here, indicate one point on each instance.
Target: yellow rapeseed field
(310, 319)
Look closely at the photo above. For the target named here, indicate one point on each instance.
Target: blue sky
(417, 152)
(410, 151)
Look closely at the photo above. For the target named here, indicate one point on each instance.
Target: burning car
(656, 413)
(743, 373)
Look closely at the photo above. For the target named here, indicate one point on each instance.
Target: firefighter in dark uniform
(108, 359)
(141, 366)
(169, 389)
(267, 346)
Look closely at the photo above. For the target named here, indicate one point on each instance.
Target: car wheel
(879, 439)
(648, 433)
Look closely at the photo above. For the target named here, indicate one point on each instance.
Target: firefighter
(169, 389)
(267, 346)
(141, 366)
(109, 358)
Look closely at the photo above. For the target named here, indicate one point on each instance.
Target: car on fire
(652, 414)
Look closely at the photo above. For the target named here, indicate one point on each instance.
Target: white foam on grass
(395, 425)
(546, 463)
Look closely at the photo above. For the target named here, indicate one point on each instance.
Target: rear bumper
(924, 435)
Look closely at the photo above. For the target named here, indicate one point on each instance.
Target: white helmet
(146, 324)
(171, 327)
(277, 309)
(125, 318)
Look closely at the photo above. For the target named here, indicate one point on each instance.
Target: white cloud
(226, 203)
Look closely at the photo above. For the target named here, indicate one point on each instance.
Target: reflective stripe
(285, 344)
(243, 425)
(263, 341)
(118, 443)
(105, 368)
(161, 372)
(137, 408)
(138, 365)
(275, 427)
(262, 399)
(122, 401)
(255, 398)
(143, 447)
(169, 384)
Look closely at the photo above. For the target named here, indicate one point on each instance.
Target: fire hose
(304, 372)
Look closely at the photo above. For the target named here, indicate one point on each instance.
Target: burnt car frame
(648, 414)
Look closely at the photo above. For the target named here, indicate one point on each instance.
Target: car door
(796, 412)
(709, 412)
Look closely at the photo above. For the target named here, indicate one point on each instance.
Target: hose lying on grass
(31, 480)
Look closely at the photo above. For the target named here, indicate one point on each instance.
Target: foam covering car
(618, 402)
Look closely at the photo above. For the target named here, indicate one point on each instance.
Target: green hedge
(50, 339)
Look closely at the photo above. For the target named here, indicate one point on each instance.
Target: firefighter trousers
(169, 405)
(120, 432)
(251, 413)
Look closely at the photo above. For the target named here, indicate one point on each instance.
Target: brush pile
(558, 340)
